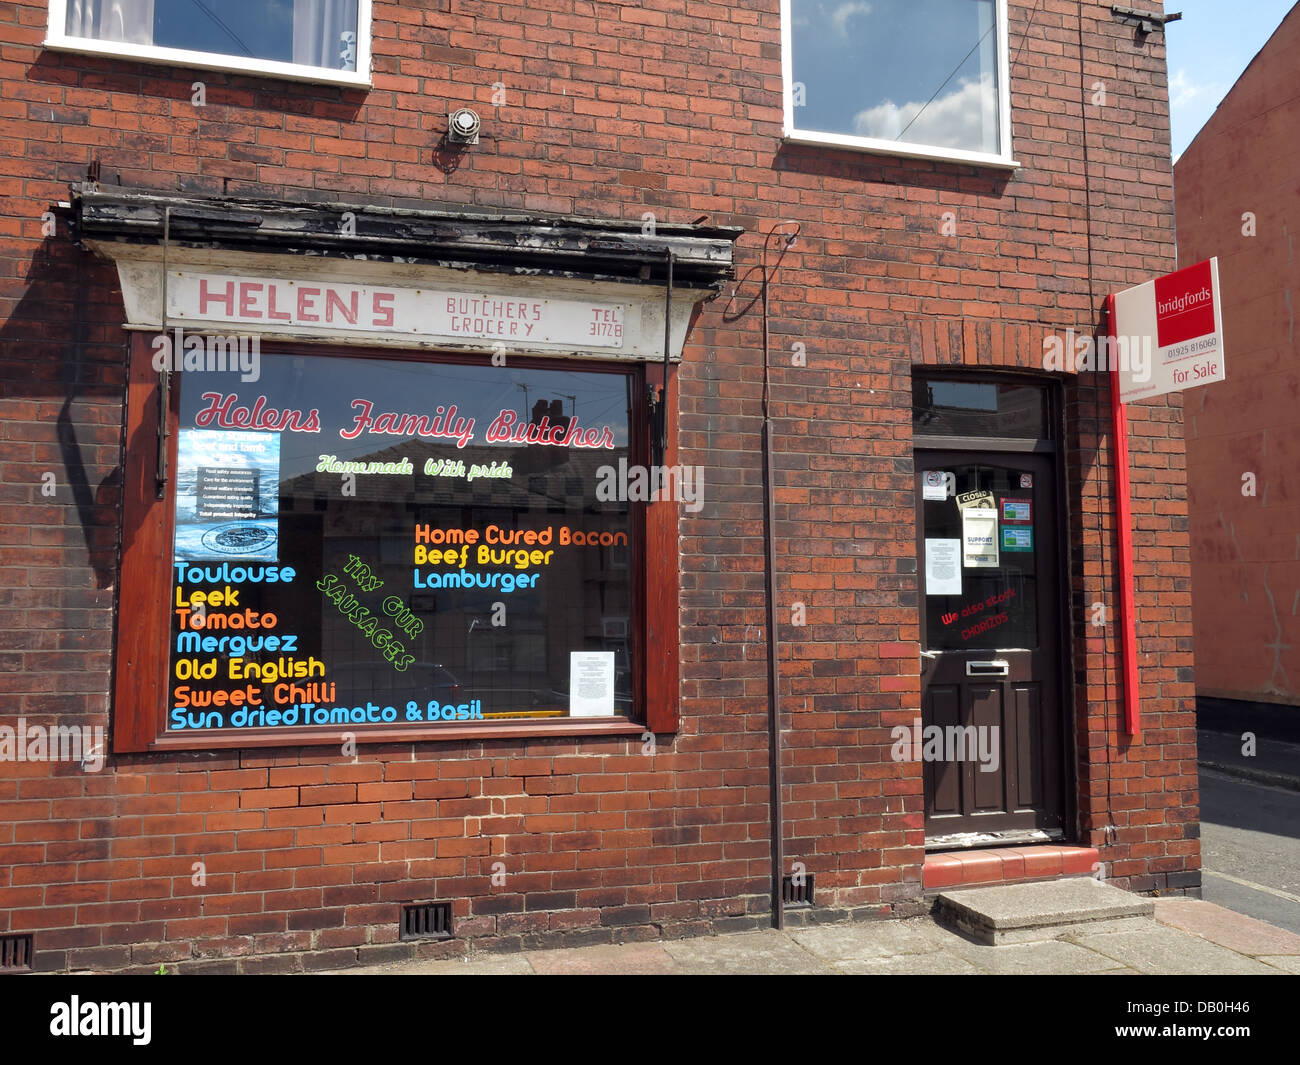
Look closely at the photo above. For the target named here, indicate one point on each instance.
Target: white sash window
(317, 40)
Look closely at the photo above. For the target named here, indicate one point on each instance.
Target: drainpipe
(773, 639)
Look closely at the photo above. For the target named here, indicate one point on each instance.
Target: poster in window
(591, 684)
(1017, 538)
(979, 531)
(942, 567)
(227, 495)
(934, 485)
(1018, 511)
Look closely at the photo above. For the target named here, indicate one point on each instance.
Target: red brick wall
(1245, 548)
(612, 110)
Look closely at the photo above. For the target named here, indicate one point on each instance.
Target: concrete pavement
(1185, 936)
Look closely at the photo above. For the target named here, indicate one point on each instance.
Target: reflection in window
(978, 409)
(314, 33)
(920, 72)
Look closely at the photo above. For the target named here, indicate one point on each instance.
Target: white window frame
(57, 38)
(1002, 159)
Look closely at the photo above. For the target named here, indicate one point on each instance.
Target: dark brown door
(992, 732)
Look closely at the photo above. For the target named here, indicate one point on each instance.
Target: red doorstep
(1005, 865)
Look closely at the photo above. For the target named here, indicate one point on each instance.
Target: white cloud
(841, 15)
(965, 118)
(1182, 90)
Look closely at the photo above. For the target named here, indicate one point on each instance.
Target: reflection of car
(419, 680)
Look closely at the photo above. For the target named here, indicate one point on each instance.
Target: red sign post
(1168, 336)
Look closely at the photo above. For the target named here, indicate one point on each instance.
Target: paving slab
(1049, 957)
(872, 939)
(632, 959)
(475, 965)
(768, 951)
(1162, 950)
(1181, 940)
(1236, 931)
(937, 964)
(1008, 913)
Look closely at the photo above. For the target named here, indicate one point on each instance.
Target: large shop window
(905, 77)
(379, 544)
(319, 40)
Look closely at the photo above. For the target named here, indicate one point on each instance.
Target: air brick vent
(426, 920)
(797, 894)
(16, 954)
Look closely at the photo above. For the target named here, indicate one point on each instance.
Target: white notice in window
(591, 684)
(942, 567)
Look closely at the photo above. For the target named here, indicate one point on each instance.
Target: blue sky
(1207, 51)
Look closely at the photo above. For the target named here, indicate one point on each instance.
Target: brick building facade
(628, 121)
(1239, 203)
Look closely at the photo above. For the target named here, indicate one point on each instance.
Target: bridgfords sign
(1176, 321)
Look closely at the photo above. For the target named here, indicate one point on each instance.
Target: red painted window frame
(142, 659)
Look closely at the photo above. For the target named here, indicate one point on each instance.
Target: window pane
(998, 603)
(444, 568)
(979, 409)
(317, 33)
(920, 72)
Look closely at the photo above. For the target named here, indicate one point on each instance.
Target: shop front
(372, 500)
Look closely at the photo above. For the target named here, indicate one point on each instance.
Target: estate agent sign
(1182, 314)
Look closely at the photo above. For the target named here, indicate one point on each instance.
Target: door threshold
(968, 840)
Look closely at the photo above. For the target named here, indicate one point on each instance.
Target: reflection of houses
(503, 654)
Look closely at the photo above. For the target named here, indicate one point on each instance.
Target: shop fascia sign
(368, 303)
(1176, 323)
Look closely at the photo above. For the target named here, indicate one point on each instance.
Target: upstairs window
(905, 77)
(322, 40)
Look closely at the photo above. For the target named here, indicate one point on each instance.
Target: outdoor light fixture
(463, 126)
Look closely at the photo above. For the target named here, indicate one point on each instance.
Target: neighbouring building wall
(613, 110)
(1239, 199)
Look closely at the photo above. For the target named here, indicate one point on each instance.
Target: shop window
(386, 547)
(906, 77)
(325, 40)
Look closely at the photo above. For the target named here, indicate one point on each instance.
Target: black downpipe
(773, 637)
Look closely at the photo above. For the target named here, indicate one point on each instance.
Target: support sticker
(979, 531)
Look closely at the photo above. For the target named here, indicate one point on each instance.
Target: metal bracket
(1147, 21)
